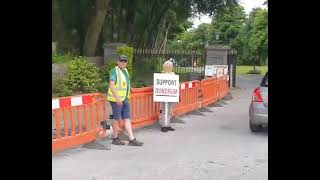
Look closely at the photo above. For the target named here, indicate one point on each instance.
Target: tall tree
(86, 25)
(252, 41)
(259, 35)
(228, 22)
(94, 27)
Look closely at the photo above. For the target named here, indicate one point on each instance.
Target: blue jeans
(120, 112)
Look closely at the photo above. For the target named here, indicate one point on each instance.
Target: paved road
(215, 145)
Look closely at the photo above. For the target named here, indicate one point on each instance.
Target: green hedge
(85, 77)
(81, 76)
(63, 59)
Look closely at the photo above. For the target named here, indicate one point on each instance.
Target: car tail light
(256, 96)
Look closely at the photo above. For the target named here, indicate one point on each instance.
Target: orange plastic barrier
(209, 89)
(77, 120)
(223, 87)
(188, 98)
(143, 110)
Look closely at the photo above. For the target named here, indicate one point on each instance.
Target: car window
(264, 82)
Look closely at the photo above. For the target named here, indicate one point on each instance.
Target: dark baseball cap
(124, 57)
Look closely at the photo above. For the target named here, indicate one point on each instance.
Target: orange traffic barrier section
(223, 87)
(144, 111)
(209, 89)
(77, 120)
(188, 98)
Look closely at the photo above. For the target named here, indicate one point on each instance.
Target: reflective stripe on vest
(121, 86)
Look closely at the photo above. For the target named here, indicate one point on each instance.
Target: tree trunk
(122, 17)
(59, 28)
(164, 42)
(145, 39)
(159, 18)
(155, 41)
(112, 24)
(159, 33)
(149, 19)
(166, 37)
(94, 28)
(131, 9)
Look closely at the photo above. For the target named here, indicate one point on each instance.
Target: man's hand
(119, 102)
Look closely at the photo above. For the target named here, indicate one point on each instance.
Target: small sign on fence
(165, 87)
(221, 70)
(210, 71)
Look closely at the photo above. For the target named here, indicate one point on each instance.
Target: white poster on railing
(210, 71)
(221, 70)
(165, 87)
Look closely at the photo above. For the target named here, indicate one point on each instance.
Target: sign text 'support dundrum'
(166, 82)
(166, 91)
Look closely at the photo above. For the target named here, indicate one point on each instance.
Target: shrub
(82, 76)
(105, 70)
(60, 88)
(138, 83)
(64, 89)
(61, 59)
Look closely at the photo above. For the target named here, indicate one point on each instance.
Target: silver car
(258, 111)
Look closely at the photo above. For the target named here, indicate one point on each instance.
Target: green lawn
(245, 69)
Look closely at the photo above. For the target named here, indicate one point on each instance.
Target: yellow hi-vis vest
(120, 85)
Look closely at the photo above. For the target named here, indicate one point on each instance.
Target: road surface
(208, 145)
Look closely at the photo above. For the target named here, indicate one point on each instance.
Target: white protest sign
(221, 70)
(210, 70)
(165, 87)
(215, 71)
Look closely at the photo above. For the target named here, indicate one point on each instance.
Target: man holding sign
(166, 90)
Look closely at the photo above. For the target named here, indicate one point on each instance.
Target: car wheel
(255, 127)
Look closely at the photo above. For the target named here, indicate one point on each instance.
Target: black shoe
(135, 142)
(170, 128)
(164, 129)
(117, 141)
(123, 137)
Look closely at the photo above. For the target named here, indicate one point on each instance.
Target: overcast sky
(247, 4)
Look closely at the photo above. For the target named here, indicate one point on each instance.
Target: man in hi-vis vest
(118, 96)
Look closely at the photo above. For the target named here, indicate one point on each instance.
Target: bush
(128, 51)
(103, 87)
(254, 71)
(138, 84)
(105, 70)
(64, 89)
(59, 88)
(61, 59)
(142, 75)
(82, 76)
